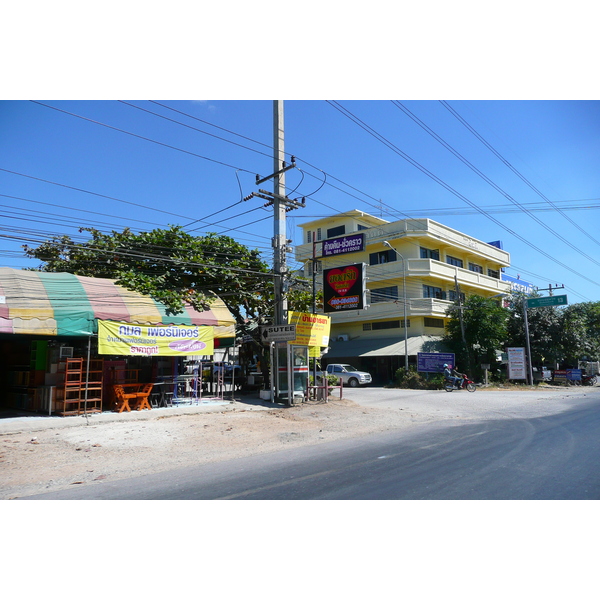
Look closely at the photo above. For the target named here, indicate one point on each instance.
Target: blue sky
(523, 172)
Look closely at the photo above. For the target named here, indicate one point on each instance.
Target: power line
(514, 170)
(471, 166)
(141, 137)
(446, 186)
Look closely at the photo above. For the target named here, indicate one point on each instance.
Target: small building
(421, 261)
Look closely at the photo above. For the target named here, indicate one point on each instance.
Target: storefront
(51, 361)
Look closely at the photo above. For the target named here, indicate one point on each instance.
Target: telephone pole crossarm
(281, 171)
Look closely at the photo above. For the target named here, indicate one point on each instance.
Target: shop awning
(63, 304)
(384, 346)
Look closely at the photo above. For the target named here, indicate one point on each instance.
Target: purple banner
(342, 245)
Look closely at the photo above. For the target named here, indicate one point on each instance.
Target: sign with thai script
(433, 362)
(129, 339)
(546, 301)
(344, 288)
(342, 245)
(311, 330)
(517, 284)
(516, 363)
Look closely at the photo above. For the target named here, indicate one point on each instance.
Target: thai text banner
(311, 330)
(348, 243)
(127, 339)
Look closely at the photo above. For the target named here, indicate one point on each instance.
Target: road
(541, 456)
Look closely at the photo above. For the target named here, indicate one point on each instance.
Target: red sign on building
(344, 288)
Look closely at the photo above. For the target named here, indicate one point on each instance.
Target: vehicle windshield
(348, 368)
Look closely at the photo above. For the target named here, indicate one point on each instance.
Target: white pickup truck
(349, 375)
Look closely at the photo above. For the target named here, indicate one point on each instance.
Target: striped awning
(63, 304)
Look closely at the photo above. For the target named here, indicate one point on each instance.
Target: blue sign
(574, 374)
(518, 285)
(433, 362)
(343, 245)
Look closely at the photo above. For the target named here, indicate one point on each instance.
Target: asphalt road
(524, 456)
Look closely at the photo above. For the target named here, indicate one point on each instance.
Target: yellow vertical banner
(311, 330)
(129, 339)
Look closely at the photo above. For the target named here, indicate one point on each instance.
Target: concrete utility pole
(279, 234)
(281, 204)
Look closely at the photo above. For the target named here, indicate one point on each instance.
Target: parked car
(542, 374)
(227, 369)
(349, 375)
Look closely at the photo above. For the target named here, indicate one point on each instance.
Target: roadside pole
(528, 346)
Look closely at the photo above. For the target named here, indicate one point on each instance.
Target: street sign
(546, 301)
(278, 333)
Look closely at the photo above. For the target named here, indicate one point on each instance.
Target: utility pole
(279, 234)
(281, 205)
(462, 322)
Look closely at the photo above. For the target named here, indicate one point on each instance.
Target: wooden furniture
(81, 390)
(132, 396)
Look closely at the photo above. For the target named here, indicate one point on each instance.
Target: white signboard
(517, 368)
(278, 333)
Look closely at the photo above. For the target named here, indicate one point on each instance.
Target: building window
(361, 227)
(457, 262)
(494, 274)
(378, 325)
(379, 258)
(335, 231)
(452, 295)
(433, 292)
(475, 268)
(309, 237)
(427, 253)
(386, 294)
(431, 322)
(319, 234)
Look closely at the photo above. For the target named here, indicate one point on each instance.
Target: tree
(545, 330)
(580, 329)
(170, 265)
(485, 332)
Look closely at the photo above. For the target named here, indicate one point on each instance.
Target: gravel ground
(39, 454)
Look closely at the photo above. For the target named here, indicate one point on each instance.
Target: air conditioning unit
(342, 338)
(66, 352)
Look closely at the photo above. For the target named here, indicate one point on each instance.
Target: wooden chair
(142, 396)
(123, 398)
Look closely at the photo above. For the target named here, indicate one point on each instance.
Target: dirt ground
(93, 451)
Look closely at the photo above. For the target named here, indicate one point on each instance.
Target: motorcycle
(589, 380)
(465, 384)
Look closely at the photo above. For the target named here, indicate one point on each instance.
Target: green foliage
(170, 265)
(331, 380)
(485, 331)
(413, 380)
(300, 299)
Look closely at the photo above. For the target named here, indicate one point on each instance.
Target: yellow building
(419, 260)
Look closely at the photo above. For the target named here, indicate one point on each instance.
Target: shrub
(415, 381)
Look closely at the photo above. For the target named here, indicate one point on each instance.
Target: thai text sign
(348, 243)
(127, 339)
(311, 330)
(344, 288)
(546, 301)
(433, 362)
(516, 363)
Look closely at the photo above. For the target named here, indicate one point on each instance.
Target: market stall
(49, 338)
